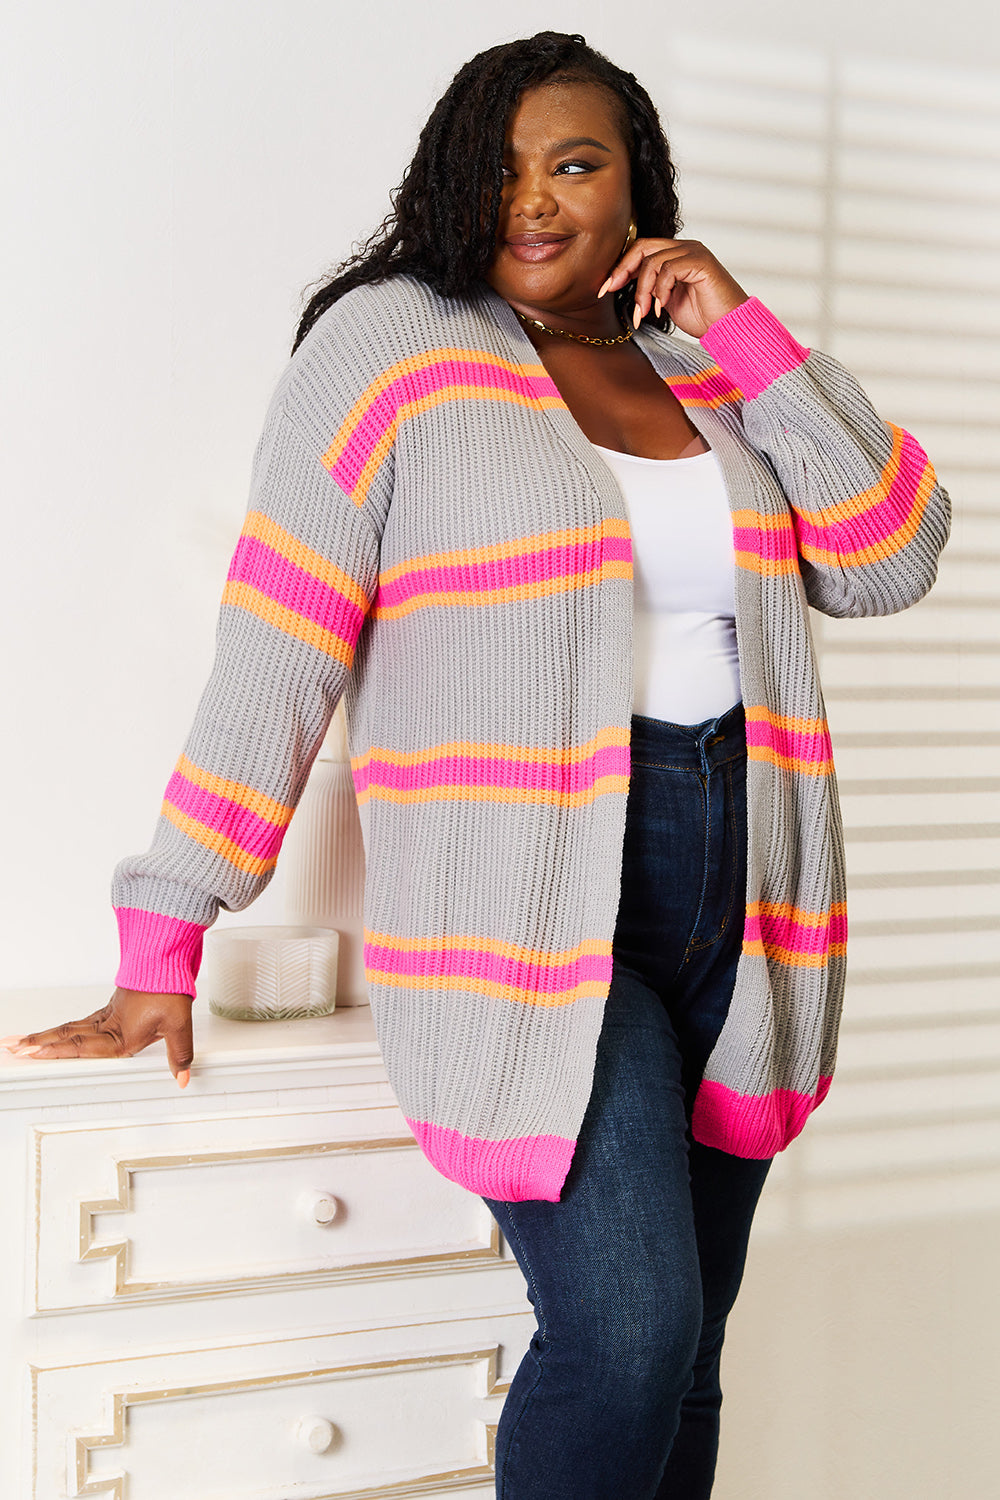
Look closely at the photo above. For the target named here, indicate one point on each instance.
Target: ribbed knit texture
(430, 532)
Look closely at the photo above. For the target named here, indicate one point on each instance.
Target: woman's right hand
(130, 1021)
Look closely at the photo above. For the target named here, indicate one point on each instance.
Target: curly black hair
(436, 232)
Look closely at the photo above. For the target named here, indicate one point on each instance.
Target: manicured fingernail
(8, 1042)
(605, 286)
(182, 1077)
(26, 1051)
(656, 304)
(636, 316)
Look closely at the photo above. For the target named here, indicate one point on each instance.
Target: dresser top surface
(222, 1047)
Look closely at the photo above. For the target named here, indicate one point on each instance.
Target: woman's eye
(572, 167)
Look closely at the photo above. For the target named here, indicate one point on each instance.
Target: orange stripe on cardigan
(536, 796)
(217, 842)
(235, 791)
(244, 596)
(794, 744)
(877, 522)
(489, 967)
(295, 589)
(241, 821)
(567, 777)
(465, 941)
(263, 529)
(765, 544)
(417, 384)
(793, 936)
(538, 755)
(532, 567)
(711, 388)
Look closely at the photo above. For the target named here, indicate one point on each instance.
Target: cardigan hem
(529, 1166)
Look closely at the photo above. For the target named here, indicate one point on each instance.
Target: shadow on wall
(860, 198)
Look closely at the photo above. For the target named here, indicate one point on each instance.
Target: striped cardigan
(431, 533)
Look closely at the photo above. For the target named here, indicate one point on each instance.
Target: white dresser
(252, 1289)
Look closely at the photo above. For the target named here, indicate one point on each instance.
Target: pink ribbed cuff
(160, 955)
(752, 347)
(748, 1125)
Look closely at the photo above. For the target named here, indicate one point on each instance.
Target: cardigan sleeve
(300, 583)
(868, 514)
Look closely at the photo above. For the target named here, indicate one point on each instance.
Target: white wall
(179, 173)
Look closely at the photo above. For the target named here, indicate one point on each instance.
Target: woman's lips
(532, 248)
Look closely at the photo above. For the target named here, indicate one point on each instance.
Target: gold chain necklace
(581, 338)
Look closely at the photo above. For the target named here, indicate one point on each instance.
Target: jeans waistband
(689, 747)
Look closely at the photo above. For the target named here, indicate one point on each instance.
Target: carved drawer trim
(118, 1486)
(366, 1253)
(127, 1287)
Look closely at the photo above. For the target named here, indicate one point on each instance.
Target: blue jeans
(632, 1274)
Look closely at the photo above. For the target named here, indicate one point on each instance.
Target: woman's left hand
(683, 277)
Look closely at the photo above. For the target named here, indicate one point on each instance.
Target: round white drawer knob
(316, 1434)
(322, 1208)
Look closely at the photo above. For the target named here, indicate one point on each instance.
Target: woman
(605, 891)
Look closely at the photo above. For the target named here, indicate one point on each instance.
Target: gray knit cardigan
(431, 533)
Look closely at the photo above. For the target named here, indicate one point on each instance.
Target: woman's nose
(532, 198)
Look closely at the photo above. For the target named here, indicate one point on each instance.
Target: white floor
(863, 1364)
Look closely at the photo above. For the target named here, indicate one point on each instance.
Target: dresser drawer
(188, 1208)
(362, 1416)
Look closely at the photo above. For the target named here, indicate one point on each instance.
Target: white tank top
(685, 665)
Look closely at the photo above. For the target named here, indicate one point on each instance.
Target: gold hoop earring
(633, 230)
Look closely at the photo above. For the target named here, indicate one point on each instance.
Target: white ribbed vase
(324, 861)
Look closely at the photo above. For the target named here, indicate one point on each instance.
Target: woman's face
(566, 199)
